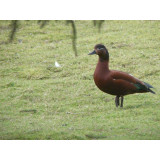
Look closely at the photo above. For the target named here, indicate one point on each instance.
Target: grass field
(40, 101)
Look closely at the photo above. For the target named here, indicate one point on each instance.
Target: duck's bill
(94, 52)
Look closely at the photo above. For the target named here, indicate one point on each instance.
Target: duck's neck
(103, 64)
(104, 57)
(104, 60)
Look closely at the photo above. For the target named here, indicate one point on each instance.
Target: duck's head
(101, 51)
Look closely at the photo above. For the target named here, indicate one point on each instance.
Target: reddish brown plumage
(115, 82)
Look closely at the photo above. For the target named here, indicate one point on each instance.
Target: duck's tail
(151, 91)
(144, 87)
(148, 86)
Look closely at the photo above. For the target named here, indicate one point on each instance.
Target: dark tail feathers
(151, 91)
(148, 87)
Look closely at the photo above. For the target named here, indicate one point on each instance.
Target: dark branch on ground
(14, 26)
(43, 23)
(98, 23)
(74, 37)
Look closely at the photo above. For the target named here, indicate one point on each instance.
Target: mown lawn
(40, 101)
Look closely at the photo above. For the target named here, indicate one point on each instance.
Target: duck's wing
(138, 84)
(125, 76)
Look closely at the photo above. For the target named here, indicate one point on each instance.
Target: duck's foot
(117, 101)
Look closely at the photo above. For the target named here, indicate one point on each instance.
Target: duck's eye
(99, 48)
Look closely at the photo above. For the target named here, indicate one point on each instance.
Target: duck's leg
(121, 101)
(117, 101)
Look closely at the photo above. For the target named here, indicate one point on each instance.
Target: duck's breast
(103, 80)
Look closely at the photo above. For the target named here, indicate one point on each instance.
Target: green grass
(39, 101)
